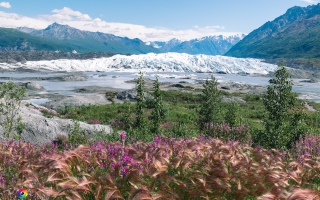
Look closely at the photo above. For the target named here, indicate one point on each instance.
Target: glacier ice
(164, 62)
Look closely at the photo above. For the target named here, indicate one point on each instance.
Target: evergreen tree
(232, 116)
(140, 105)
(278, 101)
(159, 110)
(210, 109)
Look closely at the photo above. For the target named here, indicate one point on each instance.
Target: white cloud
(5, 4)
(66, 14)
(311, 1)
(82, 21)
(12, 20)
(209, 27)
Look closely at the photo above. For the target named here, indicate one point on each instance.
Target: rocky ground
(313, 76)
(40, 129)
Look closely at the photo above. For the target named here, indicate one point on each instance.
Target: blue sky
(149, 20)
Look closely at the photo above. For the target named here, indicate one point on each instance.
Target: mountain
(14, 40)
(164, 62)
(85, 41)
(209, 45)
(165, 46)
(295, 34)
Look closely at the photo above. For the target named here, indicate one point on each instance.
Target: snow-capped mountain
(86, 41)
(209, 45)
(165, 46)
(165, 62)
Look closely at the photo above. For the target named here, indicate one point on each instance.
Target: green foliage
(14, 38)
(125, 116)
(183, 116)
(77, 135)
(159, 110)
(104, 113)
(183, 130)
(210, 108)
(302, 42)
(20, 127)
(140, 105)
(233, 116)
(180, 97)
(11, 96)
(278, 101)
(111, 95)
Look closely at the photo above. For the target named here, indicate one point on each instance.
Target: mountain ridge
(208, 45)
(86, 41)
(295, 34)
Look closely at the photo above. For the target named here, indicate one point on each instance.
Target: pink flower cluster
(226, 133)
(307, 146)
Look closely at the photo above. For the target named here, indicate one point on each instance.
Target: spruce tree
(159, 111)
(277, 101)
(140, 105)
(210, 109)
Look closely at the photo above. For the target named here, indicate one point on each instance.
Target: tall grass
(166, 168)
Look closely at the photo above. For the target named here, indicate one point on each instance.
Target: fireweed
(166, 168)
(227, 133)
(308, 146)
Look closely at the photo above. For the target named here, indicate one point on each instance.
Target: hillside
(295, 34)
(86, 41)
(14, 40)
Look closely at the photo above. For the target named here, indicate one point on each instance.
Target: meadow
(170, 147)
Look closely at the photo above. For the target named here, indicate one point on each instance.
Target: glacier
(164, 62)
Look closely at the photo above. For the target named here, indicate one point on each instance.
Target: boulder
(310, 81)
(127, 95)
(131, 95)
(225, 88)
(40, 130)
(34, 86)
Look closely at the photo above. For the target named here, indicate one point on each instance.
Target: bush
(233, 116)
(10, 102)
(210, 108)
(77, 136)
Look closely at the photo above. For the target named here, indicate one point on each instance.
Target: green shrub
(210, 108)
(11, 96)
(233, 116)
(77, 135)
